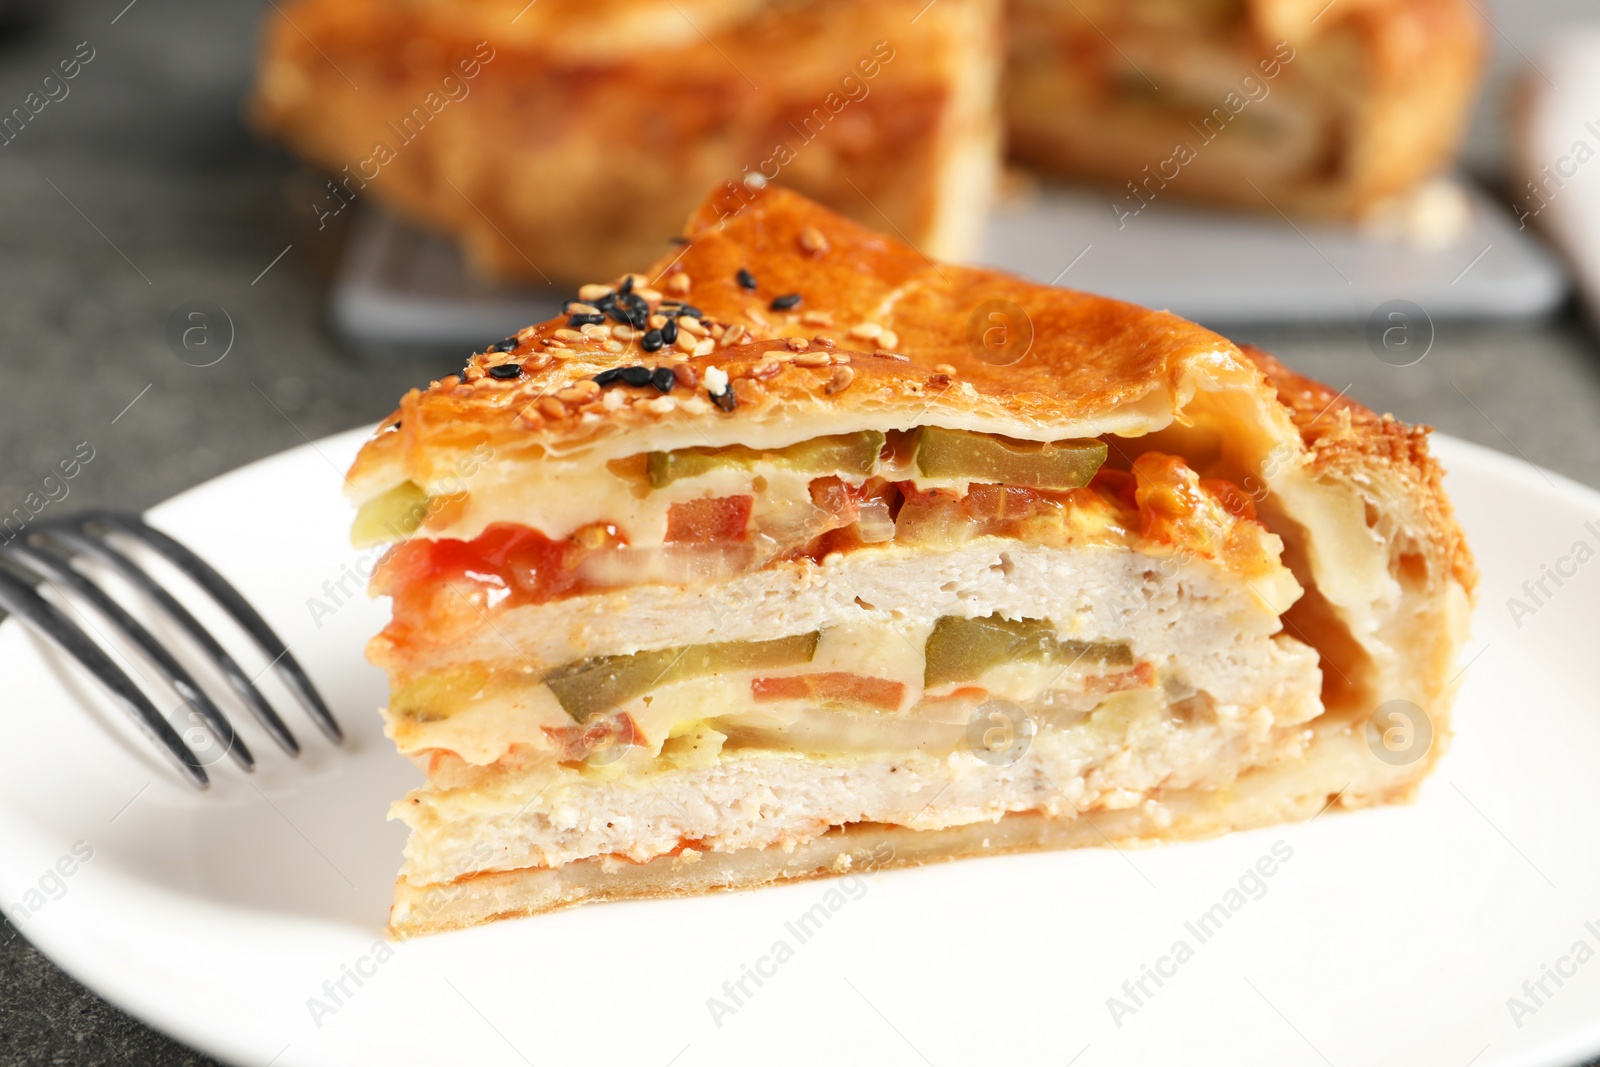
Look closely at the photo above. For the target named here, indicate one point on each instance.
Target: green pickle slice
(961, 650)
(845, 453)
(982, 457)
(392, 515)
(598, 685)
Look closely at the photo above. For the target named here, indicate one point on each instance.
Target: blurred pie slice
(1304, 106)
(801, 552)
(569, 139)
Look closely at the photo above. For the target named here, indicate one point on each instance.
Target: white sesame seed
(590, 293)
(866, 330)
(888, 339)
(705, 347)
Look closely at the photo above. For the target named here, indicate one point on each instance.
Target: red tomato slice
(711, 519)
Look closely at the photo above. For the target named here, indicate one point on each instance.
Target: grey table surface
(142, 189)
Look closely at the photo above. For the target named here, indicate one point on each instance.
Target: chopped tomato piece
(709, 520)
(832, 687)
(1230, 496)
(832, 495)
(579, 741)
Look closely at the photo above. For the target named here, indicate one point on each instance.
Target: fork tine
(83, 544)
(22, 600)
(58, 570)
(234, 604)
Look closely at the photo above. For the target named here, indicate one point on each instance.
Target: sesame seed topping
(866, 330)
(825, 342)
(797, 344)
(812, 241)
(816, 318)
(685, 375)
(745, 279)
(589, 294)
(669, 331)
(609, 376)
(578, 307)
(651, 340)
(812, 359)
(684, 309)
(627, 285)
(613, 346)
(551, 408)
(651, 295)
(663, 379)
(596, 333)
(586, 318)
(842, 377)
(785, 302)
(705, 347)
(506, 371)
(724, 400)
(636, 375)
(622, 333)
(888, 339)
(568, 335)
(504, 346)
(679, 283)
(944, 368)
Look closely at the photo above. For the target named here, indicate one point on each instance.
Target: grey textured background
(143, 189)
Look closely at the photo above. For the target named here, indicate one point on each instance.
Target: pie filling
(852, 701)
(696, 517)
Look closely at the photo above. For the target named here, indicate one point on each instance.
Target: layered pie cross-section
(800, 552)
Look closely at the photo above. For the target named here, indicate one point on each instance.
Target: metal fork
(44, 556)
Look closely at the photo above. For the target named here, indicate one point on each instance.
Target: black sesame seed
(651, 341)
(785, 302)
(626, 287)
(746, 279)
(504, 346)
(586, 319)
(724, 400)
(636, 375)
(691, 311)
(609, 376)
(506, 371)
(669, 332)
(663, 379)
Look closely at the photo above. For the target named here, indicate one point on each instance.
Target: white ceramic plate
(1397, 936)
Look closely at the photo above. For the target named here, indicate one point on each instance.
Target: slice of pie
(1303, 106)
(802, 552)
(568, 139)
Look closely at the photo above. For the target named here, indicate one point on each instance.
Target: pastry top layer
(879, 337)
